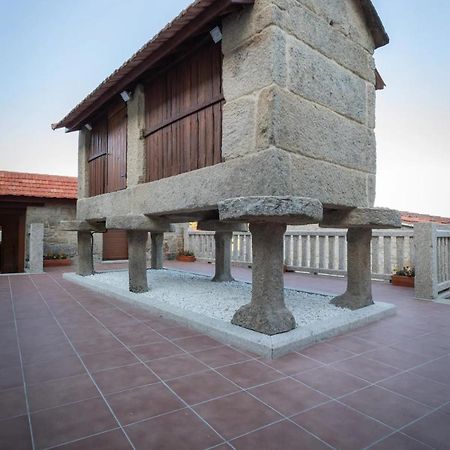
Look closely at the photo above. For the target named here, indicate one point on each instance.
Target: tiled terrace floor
(81, 371)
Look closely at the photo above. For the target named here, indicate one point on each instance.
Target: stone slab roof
(35, 185)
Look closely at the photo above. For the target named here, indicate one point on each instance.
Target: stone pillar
(425, 243)
(136, 145)
(359, 276)
(36, 248)
(84, 139)
(223, 256)
(137, 261)
(157, 251)
(85, 260)
(267, 312)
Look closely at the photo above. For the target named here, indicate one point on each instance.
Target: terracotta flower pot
(401, 280)
(57, 262)
(185, 258)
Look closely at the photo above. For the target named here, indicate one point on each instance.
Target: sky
(54, 52)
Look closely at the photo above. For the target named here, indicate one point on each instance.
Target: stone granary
(239, 111)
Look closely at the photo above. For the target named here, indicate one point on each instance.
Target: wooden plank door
(117, 151)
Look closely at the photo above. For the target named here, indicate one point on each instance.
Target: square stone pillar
(426, 261)
(36, 264)
(359, 271)
(223, 256)
(157, 251)
(84, 141)
(85, 260)
(267, 312)
(136, 144)
(137, 260)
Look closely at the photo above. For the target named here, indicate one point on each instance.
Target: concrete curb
(266, 346)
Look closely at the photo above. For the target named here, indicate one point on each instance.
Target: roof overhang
(186, 25)
(189, 23)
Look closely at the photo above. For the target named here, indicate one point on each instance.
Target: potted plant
(404, 277)
(55, 259)
(186, 256)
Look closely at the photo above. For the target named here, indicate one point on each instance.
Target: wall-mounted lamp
(216, 34)
(88, 126)
(125, 96)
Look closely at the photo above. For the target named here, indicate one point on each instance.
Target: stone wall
(51, 214)
(299, 76)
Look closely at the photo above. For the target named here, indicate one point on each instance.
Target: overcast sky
(54, 52)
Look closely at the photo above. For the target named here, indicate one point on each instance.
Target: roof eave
(164, 43)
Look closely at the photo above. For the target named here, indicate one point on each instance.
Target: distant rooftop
(36, 185)
(412, 218)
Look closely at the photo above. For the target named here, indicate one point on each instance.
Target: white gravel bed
(198, 294)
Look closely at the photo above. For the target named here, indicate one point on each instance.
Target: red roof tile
(408, 217)
(36, 185)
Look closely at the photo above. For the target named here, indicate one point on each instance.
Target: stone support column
(85, 261)
(359, 276)
(84, 139)
(36, 248)
(136, 145)
(426, 261)
(157, 251)
(223, 256)
(267, 312)
(137, 261)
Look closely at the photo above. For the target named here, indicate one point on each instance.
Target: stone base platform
(306, 334)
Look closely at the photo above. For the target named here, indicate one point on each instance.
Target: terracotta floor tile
(288, 396)
(102, 344)
(156, 350)
(114, 380)
(10, 377)
(399, 441)
(59, 425)
(46, 352)
(15, 434)
(283, 435)
(293, 363)
(236, 414)
(12, 403)
(52, 370)
(250, 373)
(385, 406)
(433, 430)
(108, 360)
(366, 369)
(201, 387)
(181, 430)
(197, 343)
(221, 356)
(137, 334)
(330, 381)
(111, 440)
(178, 332)
(342, 427)
(143, 402)
(176, 366)
(400, 359)
(61, 391)
(326, 353)
(436, 370)
(419, 388)
(352, 344)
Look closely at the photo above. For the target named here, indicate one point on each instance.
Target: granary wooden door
(117, 150)
(184, 115)
(97, 158)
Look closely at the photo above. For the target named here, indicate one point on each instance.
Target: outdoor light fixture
(216, 34)
(88, 126)
(125, 96)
